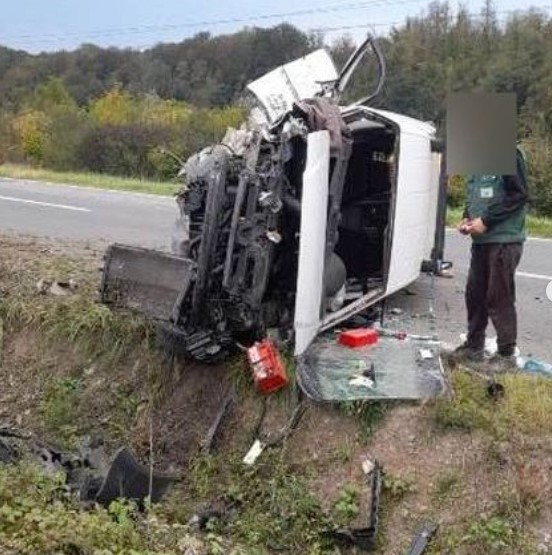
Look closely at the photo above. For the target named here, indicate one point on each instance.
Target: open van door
(397, 367)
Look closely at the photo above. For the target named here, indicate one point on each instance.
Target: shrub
(121, 149)
(67, 128)
(539, 159)
(456, 191)
(31, 130)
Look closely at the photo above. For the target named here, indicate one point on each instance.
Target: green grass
(94, 180)
(536, 226)
(526, 408)
(75, 318)
(38, 515)
(446, 484)
(271, 508)
(484, 535)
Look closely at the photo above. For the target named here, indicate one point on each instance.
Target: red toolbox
(359, 337)
(269, 372)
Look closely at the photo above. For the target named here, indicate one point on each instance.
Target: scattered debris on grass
(478, 467)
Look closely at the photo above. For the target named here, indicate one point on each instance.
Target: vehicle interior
(364, 230)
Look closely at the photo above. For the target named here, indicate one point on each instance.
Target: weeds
(344, 453)
(446, 485)
(346, 508)
(37, 515)
(202, 470)
(469, 409)
(493, 534)
(484, 535)
(60, 407)
(266, 506)
(75, 318)
(370, 414)
(526, 407)
(395, 487)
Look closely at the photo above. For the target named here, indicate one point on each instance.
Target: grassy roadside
(71, 368)
(96, 180)
(536, 226)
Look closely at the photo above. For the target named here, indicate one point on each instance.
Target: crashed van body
(307, 215)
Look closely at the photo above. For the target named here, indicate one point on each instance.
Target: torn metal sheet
(302, 78)
(329, 371)
(423, 538)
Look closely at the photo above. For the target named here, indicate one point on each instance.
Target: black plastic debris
(128, 479)
(87, 472)
(363, 538)
(8, 452)
(423, 538)
(209, 443)
(495, 391)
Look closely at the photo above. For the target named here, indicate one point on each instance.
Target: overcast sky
(36, 25)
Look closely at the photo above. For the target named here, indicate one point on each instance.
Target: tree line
(121, 110)
(116, 133)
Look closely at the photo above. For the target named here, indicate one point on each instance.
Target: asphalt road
(534, 308)
(76, 213)
(79, 213)
(447, 297)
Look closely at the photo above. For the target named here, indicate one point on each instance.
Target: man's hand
(463, 226)
(476, 227)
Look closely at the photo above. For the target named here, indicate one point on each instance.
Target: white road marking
(539, 239)
(534, 276)
(48, 204)
(163, 198)
(452, 230)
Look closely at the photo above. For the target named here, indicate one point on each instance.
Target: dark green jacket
(501, 202)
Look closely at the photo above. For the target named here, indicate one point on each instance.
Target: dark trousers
(491, 293)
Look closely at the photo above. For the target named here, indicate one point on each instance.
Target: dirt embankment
(70, 368)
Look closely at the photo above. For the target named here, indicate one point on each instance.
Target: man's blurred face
(481, 133)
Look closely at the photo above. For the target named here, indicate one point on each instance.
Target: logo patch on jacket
(487, 192)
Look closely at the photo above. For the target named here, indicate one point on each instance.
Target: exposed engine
(239, 222)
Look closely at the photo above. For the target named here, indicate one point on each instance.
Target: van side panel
(415, 206)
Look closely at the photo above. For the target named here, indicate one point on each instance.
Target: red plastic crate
(358, 337)
(269, 373)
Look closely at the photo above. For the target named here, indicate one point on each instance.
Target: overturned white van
(307, 215)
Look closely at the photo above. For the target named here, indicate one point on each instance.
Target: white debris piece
(367, 466)
(60, 289)
(426, 354)
(253, 453)
(362, 381)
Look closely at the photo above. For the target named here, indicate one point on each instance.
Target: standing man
(495, 219)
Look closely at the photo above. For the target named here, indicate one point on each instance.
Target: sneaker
(466, 352)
